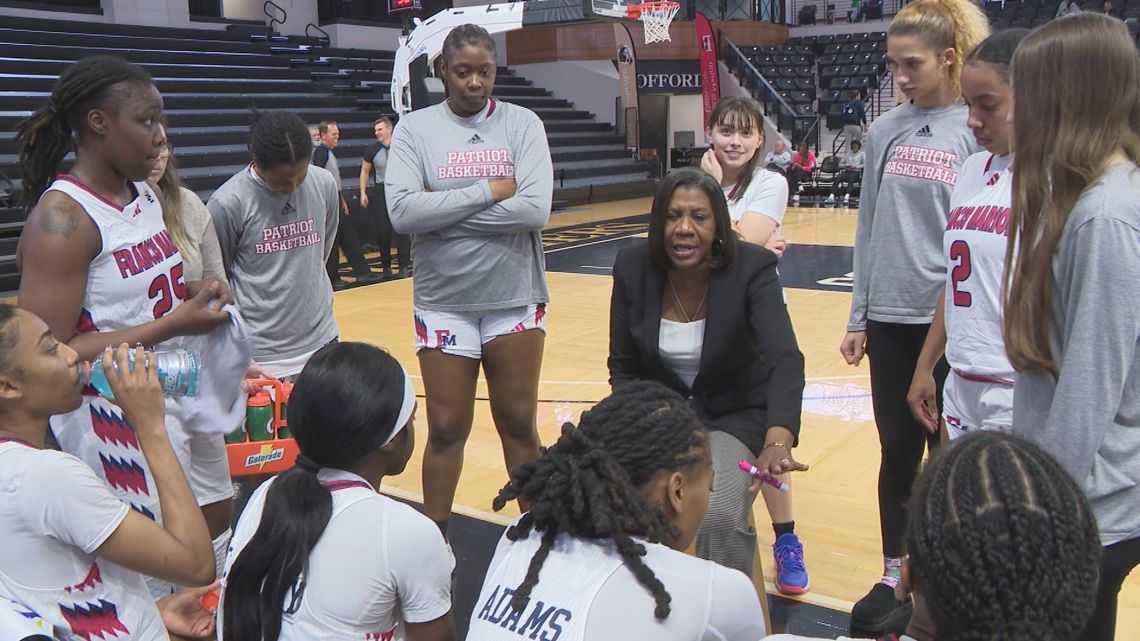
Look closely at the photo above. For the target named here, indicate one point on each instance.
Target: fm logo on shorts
(443, 338)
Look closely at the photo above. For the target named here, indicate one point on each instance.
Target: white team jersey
(54, 514)
(136, 278)
(973, 247)
(379, 563)
(585, 591)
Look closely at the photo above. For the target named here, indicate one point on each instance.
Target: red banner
(626, 58)
(710, 71)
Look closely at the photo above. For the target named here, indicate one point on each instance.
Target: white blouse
(680, 345)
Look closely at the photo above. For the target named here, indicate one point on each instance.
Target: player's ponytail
(344, 406)
(297, 510)
(944, 24)
(588, 483)
(54, 129)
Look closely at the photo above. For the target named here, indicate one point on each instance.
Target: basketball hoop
(655, 18)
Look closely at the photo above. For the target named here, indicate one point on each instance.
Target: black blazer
(751, 375)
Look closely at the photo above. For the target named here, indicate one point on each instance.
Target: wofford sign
(668, 76)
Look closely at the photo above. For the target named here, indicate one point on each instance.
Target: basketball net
(655, 19)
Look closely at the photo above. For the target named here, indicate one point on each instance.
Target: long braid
(1003, 542)
(51, 131)
(587, 484)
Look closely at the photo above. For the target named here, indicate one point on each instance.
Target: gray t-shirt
(1089, 416)
(911, 162)
(325, 158)
(274, 247)
(470, 253)
(377, 156)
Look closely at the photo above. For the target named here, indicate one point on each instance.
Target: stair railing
(803, 127)
(323, 39)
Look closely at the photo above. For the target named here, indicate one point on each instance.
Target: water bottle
(178, 372)
(259, 416)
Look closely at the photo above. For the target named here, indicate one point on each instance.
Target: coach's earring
(717, 245)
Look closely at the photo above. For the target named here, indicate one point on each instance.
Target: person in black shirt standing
(345, 236)
(372, 200)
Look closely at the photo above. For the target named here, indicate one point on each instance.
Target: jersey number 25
(166, 289)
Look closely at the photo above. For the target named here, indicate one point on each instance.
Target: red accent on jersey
(980, 378)
(112, 428)
(124, 474)
(94, 621)
(491, 109)
(336, 486)
(16, 440)
(93, 578)
(142, 256)
(85, 324)
(87, 188)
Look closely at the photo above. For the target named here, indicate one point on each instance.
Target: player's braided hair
(1003, 542)
(279, 138)
(587, 484)
(464, 35)
(46, 135)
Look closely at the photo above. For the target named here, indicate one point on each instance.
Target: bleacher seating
(210, 80)
(842, 63)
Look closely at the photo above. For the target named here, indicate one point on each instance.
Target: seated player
(73, 554)
(319, 554)
(598, 556)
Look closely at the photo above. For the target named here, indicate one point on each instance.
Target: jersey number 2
(960, 252)
(166, 289)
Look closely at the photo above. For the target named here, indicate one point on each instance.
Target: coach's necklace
(681, 306)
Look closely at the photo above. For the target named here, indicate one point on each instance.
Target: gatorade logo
(266, 455)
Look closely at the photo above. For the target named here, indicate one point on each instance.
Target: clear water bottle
(178, 372)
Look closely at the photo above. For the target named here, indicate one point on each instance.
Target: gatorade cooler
(267, 450)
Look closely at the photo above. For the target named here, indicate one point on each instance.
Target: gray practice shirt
(274, 247)
(1088, 416)
(471, 253)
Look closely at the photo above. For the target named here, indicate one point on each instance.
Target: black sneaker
(872, 613)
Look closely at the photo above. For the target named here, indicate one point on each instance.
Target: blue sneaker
(791, 576)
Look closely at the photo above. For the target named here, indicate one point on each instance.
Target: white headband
(406, 409)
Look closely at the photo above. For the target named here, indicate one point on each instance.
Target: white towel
(219, 407)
